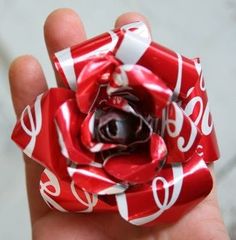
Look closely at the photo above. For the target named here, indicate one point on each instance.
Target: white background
(204, 28)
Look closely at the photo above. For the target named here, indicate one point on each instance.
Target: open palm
(64, 28)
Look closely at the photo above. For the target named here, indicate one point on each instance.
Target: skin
(62, 29)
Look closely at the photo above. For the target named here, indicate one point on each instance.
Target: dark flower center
(119, 127)
(115, 126)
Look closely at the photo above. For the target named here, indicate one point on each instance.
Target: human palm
(202, 223)
(64, 28)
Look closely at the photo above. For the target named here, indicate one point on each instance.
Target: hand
(64, 28)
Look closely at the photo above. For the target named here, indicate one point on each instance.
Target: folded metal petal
(181, 134)
(151, 91)
(35, 133)
(63, 195)
(176, 189)
(140, 166)
(95, 180)
(95, 73)
(68, 120)
(134, 38)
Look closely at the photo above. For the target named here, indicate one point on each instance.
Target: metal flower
(130, 132)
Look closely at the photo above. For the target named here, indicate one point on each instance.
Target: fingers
(131, 17)
(26, 82)
(63, 28)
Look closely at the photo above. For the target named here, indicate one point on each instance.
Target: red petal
(89, 80)
(69, 120)
(137, 167)
(120, 103)
(146, 86)
(181, 135)
(175, 190)
(95, 180)
(63, 195)
(40, 116)
(158, 148)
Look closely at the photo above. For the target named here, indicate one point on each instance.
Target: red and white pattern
(120, 70)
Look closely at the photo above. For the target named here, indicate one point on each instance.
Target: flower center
(119, 127)
(116, 126)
